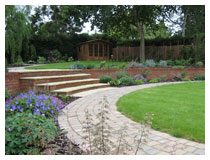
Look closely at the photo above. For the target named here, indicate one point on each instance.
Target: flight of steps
(59, 81)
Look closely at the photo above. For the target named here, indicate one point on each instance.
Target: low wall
(13, 83)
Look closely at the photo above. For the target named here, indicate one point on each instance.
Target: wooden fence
(122, 53)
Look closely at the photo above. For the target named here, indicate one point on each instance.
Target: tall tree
(123, 17)
(17, 30)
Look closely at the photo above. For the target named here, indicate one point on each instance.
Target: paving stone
(190, 149)
(153, 151)
(199, 151)
(157, 142)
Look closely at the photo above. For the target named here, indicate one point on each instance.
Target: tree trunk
(142, 42)
(184, 25)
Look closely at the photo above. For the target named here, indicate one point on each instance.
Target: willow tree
(17, 30)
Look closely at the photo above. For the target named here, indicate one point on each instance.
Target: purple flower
(66, 108)
(18, 107)
(43, 114)
(21, 109)
(27, 101)
(16, 102)
(52, 111)
(37, 104)
(27, 106)
(7, 105)
(6, 109)
(9, 129)
(13, 107)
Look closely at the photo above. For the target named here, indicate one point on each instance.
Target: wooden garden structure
(94, 50)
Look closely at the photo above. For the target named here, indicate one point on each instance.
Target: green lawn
(179, 109)
(66, 65)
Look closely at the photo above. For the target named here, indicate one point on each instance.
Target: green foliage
(26, 133)
(55, 55)
(19, 61)
(170, 62)
(155, 80)
(7, 93)
(145, 73)
(30, 102)
(199, 77)
(186, 79)
(184, 73)
(41, 60)
(199, 64)
(150, 63)
(163, 78)
(124, 65)
(178, 67)
(178, 62)
(120, 74)
(102, 64)
(91, 66)
(162, 63)
(127, 81)
(139, 82)
(115, 82)
(105, 79)
(78, 65)
(17, 31)
(70, 59)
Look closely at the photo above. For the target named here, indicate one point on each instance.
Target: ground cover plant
(30, 102)
(179, 109)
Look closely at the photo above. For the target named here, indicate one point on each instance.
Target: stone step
(63, 84)
(72, 90)
(47, 72)
(28, 83)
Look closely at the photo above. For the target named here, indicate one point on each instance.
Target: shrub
(186, 62)
(78, 65)
(26, 133)
(199, 64)
(145, 73)
(163, 78)
(41, 104)
(199, 77)
(170, 62)
(31, 62)
(186, 79)
(178, 62)
(155, 80)
(139, 77)
(178, 67)
(183, 74)
(124, 65)
(163, 63)
(70, 59)
(127, 81)
(19, 61)
(102, 64)
(120, 74)
(177, 77)
(139, 82)
(150, 63)
(55, 55)
(134, 64)
(105, 79)
(41, 60)
(7, 93)
(90, 66)
(114, 82)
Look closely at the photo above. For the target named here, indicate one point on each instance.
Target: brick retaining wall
(13, 83)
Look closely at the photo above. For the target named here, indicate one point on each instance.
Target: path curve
(157, 142)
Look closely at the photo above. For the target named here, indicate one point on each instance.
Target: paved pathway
(157, 142)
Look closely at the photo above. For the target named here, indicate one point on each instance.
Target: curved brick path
(157, 142)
